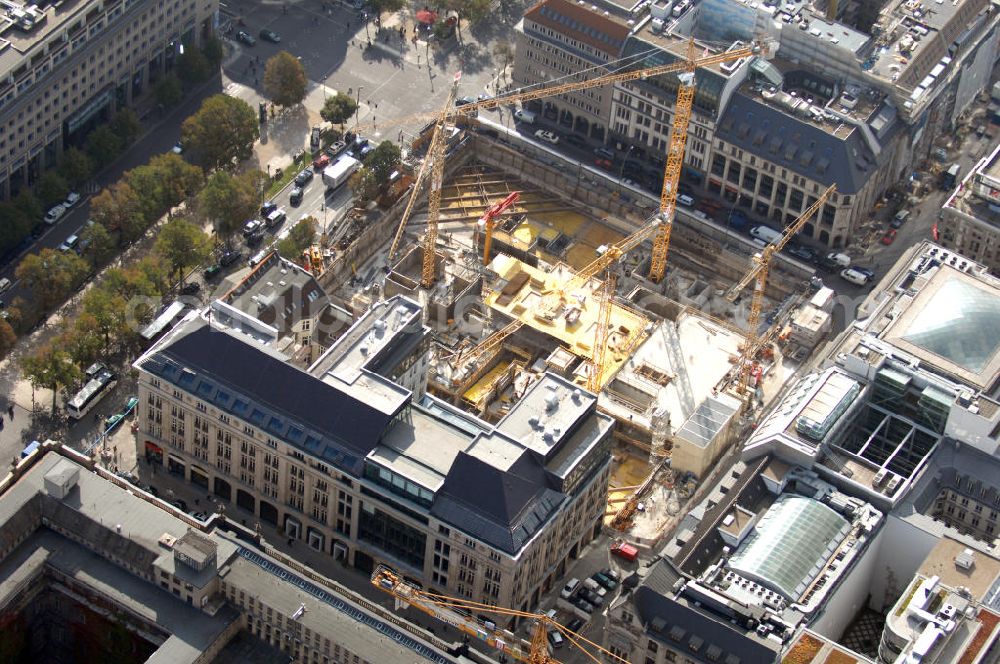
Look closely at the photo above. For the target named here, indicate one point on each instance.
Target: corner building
(67, 66)
(346, 459)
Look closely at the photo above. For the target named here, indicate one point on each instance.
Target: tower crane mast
(758, 275)
(445, 609)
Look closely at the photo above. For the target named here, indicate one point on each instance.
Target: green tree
(51, 275)
(338, 108)
(119, 208)
(504, 52)
(103, 145)
(52, 188)
(166, 181)
(382, 6)
(192, 66)
(285, 79)
(168, 91)
(182, 245)
(126, 125)
(299, 238)
(98, 245)
(223, 130)
(81, 338)
(50, 367)
(363, 183)
(213, 50)
(76, 167)
(228, 201)
(383, 160)
(15, 226)
(28, 204)
(109, 311)
(7, 338)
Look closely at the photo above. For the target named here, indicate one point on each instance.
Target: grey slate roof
(818, 155)
(503, 509)
(698, 636)
(271, 394)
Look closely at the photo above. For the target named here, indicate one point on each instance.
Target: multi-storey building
(351, 459)
(556, 41)
(66, 66)
(96, 569)
(970, 218)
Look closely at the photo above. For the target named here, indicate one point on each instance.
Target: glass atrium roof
(960, 324)
(790, 544)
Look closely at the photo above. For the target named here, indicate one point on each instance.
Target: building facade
(347, 460)
(66, 67)
(555, 41)
(970, 218)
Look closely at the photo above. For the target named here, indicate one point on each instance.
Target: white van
(525, 116)
(685, 200)
(840, 260)
(569, 588)
(765, 233)
(854, 276)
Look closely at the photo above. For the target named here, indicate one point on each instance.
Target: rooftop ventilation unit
(965, 560)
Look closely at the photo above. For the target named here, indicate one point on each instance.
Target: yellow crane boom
(758, 274)
(445, 609)
(597, 363)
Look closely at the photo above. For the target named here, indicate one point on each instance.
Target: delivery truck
(339, 171)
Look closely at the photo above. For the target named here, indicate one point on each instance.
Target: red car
(604, 163)
(321, 162)
(889, 236)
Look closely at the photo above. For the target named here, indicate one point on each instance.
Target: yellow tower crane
(758, 274)
(433, 166)
(601, 343)
(449, 610)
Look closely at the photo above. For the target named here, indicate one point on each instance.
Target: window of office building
(391, 535)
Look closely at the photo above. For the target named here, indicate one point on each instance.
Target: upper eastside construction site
(669, 351)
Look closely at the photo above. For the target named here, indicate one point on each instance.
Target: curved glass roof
(790, 544)
(960, 324)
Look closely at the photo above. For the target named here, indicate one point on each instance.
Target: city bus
(100, 381)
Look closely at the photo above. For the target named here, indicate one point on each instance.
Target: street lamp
(621, 171)
(357, 107)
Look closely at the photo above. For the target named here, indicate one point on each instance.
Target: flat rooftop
(676, 368)
(941, 562)
(977, 194)
(574, 322)
(356, 629)
(546, 414)
(277, 292)
(345, 365)
(676, 45)
(56, 16)
(421, 448)
(190, 632)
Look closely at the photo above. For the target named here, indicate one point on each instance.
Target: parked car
(70, 243)
(575, 625)
(592, 597)
(547, 136)
(335, 148)
(570, 588)
(178, 148)
(867, 271)
(246, 38)
(190, 288)
(320, 162)
(295, 196)
(4, 284)
(593, 586)
(583, 605)
(604, 163)
(54, 214)
(802, 253)
(271, 36)
(604, 580)
(900, 219)
(604, 153)
(267, 208)
(889, 237)
(230, 257)
(180, 504)
(212, 271)
(575, 140)
(556, 639)
(855, 276)
(464, 101)
(303, 178)
(72, 198)
(251, 227)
